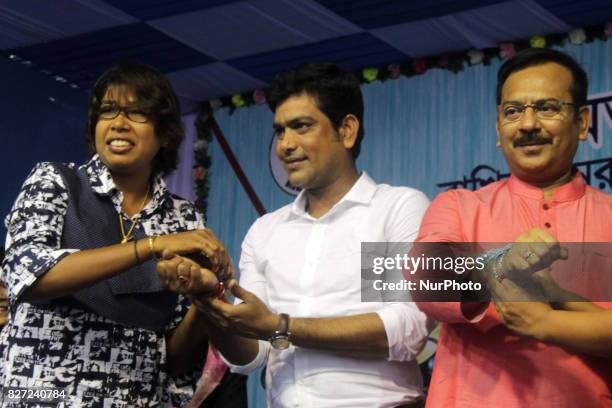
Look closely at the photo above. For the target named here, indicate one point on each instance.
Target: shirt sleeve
(442, 223)
(405, 325)
(34, 230)
(253, 280)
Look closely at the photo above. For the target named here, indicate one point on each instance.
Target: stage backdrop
(430, 132)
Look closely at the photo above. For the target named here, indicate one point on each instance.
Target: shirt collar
(569, 191)
(102, 182)
(362, 192)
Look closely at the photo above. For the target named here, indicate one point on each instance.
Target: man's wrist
(281, 337)
(271, 327)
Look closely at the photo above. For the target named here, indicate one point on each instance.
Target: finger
(163, 269)
(212, 252)
(220, 306)
(193, 278)
(204, 281)
(513, 262)
(243, 294)
(563, 253)
(184, 277)
(543, 236)
(167, 254)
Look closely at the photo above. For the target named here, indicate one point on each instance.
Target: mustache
(530, 138)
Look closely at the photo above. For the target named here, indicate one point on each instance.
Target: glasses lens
(137, 115)
(109, 111)
(512, 112)
(548, 109)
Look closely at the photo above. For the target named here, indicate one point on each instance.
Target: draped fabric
(420, 131)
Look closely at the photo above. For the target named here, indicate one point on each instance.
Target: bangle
(138, 261)
(152, 247)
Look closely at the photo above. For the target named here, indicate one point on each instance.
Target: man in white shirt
(300, 274)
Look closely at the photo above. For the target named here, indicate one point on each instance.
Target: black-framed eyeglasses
(544, 109)
(132, 113)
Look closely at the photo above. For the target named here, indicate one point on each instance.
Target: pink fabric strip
(212, 374)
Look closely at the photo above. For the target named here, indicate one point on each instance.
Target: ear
(584, 120)
(348, 131)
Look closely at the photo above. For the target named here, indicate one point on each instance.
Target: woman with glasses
(91, 324)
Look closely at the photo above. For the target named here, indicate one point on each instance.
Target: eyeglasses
(544, 109)
(112, 111)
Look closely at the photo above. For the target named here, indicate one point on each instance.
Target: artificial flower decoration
(506, 50)
(537, 41)
(370, 74)
(577, 36)
(259, 97)
(608, 30)
(454, 62)
(198, 173)
(216, 104)
(419, 65)
(475, 57)
(394, 71)
(200, 144)
(238, 101)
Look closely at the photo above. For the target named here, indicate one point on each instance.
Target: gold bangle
(152, 247)
(138, 261)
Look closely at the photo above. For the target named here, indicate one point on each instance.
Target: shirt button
(546, 206)
(547, 225)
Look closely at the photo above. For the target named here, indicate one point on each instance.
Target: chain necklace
(127, 237)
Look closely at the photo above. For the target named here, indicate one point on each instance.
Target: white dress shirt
(309, 267)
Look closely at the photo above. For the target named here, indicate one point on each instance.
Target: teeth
(119, 143)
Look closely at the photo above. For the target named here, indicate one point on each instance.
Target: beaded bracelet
(496, 256)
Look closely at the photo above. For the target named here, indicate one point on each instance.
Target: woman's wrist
(152, 249)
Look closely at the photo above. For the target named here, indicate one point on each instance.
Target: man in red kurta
(480, 361)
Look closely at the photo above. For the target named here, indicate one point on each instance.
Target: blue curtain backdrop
(420, 132)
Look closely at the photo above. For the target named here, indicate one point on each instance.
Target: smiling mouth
(292, 161)
(533, 143)
(119, 145)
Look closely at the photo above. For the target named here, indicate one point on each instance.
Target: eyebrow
(536, 101)
(277, 125)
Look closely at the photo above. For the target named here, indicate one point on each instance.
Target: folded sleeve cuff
(258, 361)
(406, 328)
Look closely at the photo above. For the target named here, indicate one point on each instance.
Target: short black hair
(538, 56)
(154, 95)
(335, 90)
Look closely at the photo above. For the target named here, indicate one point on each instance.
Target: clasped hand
(522, 298)
(251, 318)
(200, 241)
(532, 251)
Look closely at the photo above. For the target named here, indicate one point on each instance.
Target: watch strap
(283, 324)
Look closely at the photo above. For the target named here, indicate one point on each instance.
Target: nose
(286, 144)
(529, 120)
(120, 121)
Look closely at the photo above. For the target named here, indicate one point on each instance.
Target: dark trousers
(230, 393)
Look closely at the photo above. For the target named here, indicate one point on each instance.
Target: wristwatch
(280, 338)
